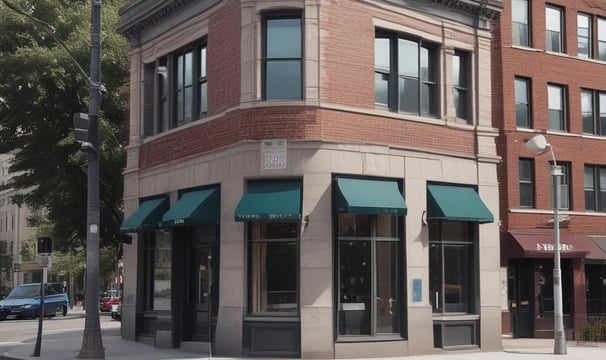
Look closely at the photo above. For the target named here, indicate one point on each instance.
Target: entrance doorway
(521, 298)
(199, 304)
(201, 274)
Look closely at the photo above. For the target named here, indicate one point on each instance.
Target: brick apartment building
(312, 178)
(550, 78)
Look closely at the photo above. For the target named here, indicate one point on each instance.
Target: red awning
(598, 250)
(538, 243)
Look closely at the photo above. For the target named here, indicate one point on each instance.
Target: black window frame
(565, 185)
(254, 227)
(461, 81)
(595, 193)
(601, 43)
(526, 182)
(442, 240)
(268, 17)
(161, 89)
(523, 106)
(594, 118)
(371, 237)
(426, 79)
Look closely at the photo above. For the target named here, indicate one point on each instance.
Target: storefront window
(369, 275)
(451, 267)
(157, 270)
(273, 275)
(162, 272)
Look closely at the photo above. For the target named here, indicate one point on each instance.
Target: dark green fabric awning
(146, 217)
(270, 201)
(194, 207)
(456, 203)
(364, 196)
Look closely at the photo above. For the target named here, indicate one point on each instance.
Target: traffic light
(45, 245)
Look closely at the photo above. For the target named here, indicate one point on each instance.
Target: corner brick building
(548, 78)
(315, 179)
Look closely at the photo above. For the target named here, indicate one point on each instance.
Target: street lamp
(537, 145)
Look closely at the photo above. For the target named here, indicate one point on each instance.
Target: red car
(106, 302)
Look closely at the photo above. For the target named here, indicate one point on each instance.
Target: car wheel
(64, 312)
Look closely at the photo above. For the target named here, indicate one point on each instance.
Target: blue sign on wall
(417, 288)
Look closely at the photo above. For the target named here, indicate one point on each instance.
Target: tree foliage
(40, 90)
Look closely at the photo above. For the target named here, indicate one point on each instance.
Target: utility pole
(92, 342)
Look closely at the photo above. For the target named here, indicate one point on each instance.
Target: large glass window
(522, 96)
(369, 275)
(407, 83)
(452, 266)
(595, 188)
(556, 97)
(554, 29)
(460, 91)
(526, 173)
(175, 90)
(282, 58)
(520, 23)
(584, 35)
(273, 263)
(157, 254)
(593, 111)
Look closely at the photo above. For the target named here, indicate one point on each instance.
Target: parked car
(109, 299)
(24, 301)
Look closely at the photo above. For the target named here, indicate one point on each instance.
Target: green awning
(146, 217)
(456, 203)
(270, 201)
(194, 207)
(364, 196)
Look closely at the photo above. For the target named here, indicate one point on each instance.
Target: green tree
(40, 90)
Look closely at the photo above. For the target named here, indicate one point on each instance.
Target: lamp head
(537, 144)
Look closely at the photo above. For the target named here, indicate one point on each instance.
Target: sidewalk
(66, 345)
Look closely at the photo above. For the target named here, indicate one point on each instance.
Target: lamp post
(537, 145)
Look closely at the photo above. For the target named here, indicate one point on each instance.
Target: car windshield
(24, 292)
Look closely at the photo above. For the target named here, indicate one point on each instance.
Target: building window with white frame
(556, 98)
(584, 29)
(554, 26)
(520, 23)
(282, 57)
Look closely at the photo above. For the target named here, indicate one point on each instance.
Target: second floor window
(522, 96)
(593, 111)
(564, 188)
(174, 90)
(595, 188)
(406, 75)
(526, 169)
(584, 35)
(554, 29)
(460, 91)
(282, 57)
(520, 23)
(556, 97)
